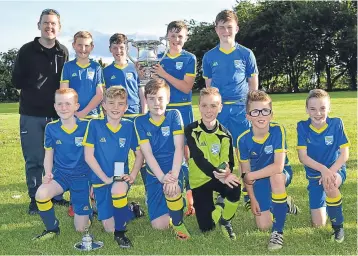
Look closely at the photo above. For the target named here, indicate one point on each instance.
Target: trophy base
(95, 245)
(117, 178)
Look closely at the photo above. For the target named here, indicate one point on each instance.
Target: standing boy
(85, 76)
(161, 139)
(323, 148)
(65, 166)
(107, 143)
(211, 163)
(178, 68)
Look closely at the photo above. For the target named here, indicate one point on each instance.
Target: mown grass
(17, 228)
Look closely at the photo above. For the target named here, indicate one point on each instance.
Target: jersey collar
(320, 130)
(157, 123)
(120, 67)
(83, 66)
(173, 56)
(202, 126)
(227, 51)
(261, 141)
(69, 131)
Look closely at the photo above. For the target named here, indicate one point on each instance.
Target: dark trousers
(32, 130)
(204, 203)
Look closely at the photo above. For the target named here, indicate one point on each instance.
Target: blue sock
(58, 197)
(47, 213)
(334, 209)
(121, 212)
(279, 210)
(176, 206)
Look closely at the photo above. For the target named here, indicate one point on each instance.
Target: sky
(140, 19)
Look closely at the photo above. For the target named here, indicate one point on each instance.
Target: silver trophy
(147, 55)
(87, 243)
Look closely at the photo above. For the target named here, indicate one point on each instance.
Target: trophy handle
(166, 46)
(134, 45)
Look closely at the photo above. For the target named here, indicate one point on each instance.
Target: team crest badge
(129, 75)
(90, 74)
(78, 141)
(239, 64)
(268, 149)
(165, 131)
(215, 149)
(179, 65)
(122, 142)
(328, 140)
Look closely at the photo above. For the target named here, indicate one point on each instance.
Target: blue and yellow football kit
(70, 170)
(261, 153)
(84, 80)
(112, 145)
(160, 135)
(229, 72)
(179, 66)
(322, 146)
(127, 77)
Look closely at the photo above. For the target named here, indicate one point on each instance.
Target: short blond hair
(209, 91)
(257, 96)
(318, 94)
(153, 86)
(116, 91)
(82, 34)
(63, 91)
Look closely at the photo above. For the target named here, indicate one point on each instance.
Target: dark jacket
(37, 72)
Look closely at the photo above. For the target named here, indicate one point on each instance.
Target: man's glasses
(50, 11)
(264, 112)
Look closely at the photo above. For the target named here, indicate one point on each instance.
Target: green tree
(7, 90)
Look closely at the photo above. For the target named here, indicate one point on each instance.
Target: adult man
(37, 72)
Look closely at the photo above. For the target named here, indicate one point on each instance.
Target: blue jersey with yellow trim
(84, 80)
(67, 146)
(110, 145)
(160, 135)
(322, 144)
(229, 71)
(126, 76)
(261, 153)
(183, 64)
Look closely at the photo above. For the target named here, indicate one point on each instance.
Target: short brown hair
(63, 91)
(116, 91)
(153, 86)
(257, 96)
(118, 38)
(209, 91)
(176, 26)
(318, 94)
(226, 15)
(82, 34)
(51, 12)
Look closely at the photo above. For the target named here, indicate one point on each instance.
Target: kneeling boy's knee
(233, 194)
(42, 194)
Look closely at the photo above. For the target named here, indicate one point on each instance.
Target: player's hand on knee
(221, 175)
(47, 178)
(232, 180)
(128, 178)
(171, 189)
(247, 179)
(255, 207)
(108, 180)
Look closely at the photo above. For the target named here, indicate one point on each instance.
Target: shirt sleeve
(242, 149)
(227, 152)
(90, 135)
(134, 140)
(99, 76)
(48, 141)
(207, 72)
(301, 136)
(251, 66)
(343, 140)
(190, 69)
(140, 131)
(279, 141)
(177, 123)
(65, 75)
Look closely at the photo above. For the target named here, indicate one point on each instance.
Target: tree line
(299, 45)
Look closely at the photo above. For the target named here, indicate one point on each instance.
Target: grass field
(17, 227)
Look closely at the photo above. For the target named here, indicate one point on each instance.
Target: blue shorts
(103, 197)
(316, 194)
(79, 187)
(157, 205)
(186, 113)
(262, 189)
(233, 117)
